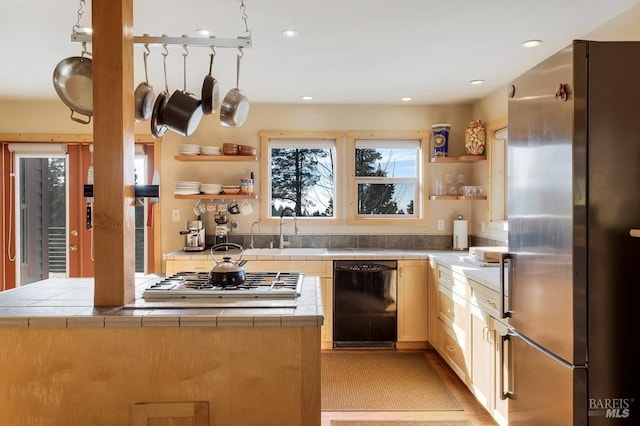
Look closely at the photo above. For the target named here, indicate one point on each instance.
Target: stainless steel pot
(73, 82)
(235, 105)
(143, 95)
(227, 273)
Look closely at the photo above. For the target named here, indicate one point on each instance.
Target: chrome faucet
(259, 230)
(282, 222)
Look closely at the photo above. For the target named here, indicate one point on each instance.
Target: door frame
(77, 176)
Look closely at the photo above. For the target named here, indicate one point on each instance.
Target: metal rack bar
(179, 41)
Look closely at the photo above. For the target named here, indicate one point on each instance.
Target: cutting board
(487, 254)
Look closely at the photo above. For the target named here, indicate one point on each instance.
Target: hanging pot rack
(81, 35)
(236, 43)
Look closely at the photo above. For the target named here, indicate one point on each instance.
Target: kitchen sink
(285, 251)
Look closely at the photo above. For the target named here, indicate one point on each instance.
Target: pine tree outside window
(302, 176)
(387, 177)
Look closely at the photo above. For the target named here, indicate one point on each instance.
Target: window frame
(265, 176)
(352, 183)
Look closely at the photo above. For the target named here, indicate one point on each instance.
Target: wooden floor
(472, 410)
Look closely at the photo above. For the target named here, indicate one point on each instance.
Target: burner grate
(257, 284)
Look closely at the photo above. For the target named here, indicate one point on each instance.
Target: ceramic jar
(475, 138)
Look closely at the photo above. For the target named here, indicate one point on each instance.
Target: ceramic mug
(234, 208)
(246, 208)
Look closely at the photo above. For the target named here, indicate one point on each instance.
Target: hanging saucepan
(158, 128)
(73, 82)
(227, 273)
(183, 111)
(143, 95)
(210, 90)
(235, 105)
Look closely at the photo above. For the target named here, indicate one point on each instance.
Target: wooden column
(113, 127)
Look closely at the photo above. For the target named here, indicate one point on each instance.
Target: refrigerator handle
(634, 232)
(506, 259)
(503, 394)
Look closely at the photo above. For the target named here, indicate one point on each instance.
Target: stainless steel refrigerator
(572, 267)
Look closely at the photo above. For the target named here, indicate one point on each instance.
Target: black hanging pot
(227, 273)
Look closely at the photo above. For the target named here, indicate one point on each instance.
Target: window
(498, 145)
(301, 173)
(387, 175)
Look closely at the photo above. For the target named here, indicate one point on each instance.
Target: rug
(400, 423)
(382, 381)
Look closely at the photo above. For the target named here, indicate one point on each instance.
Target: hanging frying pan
(210, 91)
(235, 105)
(143, 95)
(73, 82)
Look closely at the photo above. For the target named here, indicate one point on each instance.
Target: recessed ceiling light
(307, 98)
(406, 98)
(531, 43)
(476, 82)
(289, 33)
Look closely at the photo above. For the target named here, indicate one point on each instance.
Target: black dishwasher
(364, 304)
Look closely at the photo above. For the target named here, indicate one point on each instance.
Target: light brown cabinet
(453, 317)
(412, 304)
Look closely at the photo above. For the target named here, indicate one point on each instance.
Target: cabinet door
(482, 356)
(412, 301)
(432, 296)
(327, 303)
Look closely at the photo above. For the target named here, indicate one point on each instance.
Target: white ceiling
(347, 51)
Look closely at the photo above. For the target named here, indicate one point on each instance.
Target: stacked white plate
(210, 188)
(189, 149)
(210, 150)
(185, 187)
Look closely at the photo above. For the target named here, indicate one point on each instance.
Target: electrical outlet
(175, 215)
(440, 224)
(235, 226)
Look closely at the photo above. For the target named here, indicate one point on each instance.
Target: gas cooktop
(282, 285)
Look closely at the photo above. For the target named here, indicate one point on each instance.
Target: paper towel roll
(460, 235)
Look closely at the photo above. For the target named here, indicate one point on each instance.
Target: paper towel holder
(464, 236)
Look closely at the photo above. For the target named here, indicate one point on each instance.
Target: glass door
(41, 218)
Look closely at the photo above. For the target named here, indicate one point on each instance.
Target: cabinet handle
(453, 314)
(634, 232)
(490, 303)
(449, 348)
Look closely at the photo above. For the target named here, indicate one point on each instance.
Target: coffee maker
(221, 229)
(194, 235)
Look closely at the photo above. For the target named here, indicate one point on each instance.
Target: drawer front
(452, 310)
(321, 269)
(486, 299)
(175, 266)
(452, 349)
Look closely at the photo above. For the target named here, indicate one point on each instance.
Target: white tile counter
(68, 303)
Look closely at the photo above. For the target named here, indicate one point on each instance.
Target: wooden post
(113, 127)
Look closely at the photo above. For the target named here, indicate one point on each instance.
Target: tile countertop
(489, 276)
(68, 303)
(306, 254)
(486, 275)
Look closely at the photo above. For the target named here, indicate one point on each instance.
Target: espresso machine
(194, 236)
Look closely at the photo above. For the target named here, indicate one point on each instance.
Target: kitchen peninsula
(64, 361)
